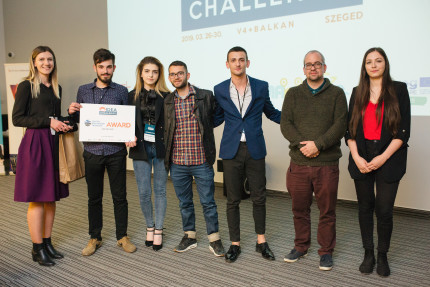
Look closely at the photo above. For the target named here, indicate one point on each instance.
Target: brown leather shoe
(92, 246)
(126, 244)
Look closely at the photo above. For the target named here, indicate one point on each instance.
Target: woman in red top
(378, 131)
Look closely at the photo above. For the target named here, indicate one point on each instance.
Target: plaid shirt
(187, 141)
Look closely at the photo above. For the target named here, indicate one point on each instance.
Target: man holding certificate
(99, 156)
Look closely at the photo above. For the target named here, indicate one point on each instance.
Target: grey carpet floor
(111, 266)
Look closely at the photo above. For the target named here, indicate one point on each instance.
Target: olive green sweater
(320, 117)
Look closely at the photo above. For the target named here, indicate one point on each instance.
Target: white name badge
(107, 123)
(149, 134)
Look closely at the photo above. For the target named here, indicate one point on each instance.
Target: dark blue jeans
(182, 178)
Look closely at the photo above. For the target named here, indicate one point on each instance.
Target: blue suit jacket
(251, 122)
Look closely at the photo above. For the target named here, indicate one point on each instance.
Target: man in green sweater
(313, 120)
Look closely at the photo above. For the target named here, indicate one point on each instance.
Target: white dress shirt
(241, 101)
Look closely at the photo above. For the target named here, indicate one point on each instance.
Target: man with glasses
(190, 152)
(242, 100)
(314, 119)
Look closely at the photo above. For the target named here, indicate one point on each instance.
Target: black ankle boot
(383, 269)
(54, 254)
(40, 255)
(368, 263)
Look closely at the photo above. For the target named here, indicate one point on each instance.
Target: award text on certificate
(106, 123)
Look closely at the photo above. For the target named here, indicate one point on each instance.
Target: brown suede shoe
(126, 244)
(92, 246)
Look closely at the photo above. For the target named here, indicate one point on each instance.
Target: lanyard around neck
(104, 94)
(243, 99)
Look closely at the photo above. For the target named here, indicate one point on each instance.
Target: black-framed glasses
(316, 65)
(180, 74)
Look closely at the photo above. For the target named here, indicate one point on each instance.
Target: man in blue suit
(241, 101)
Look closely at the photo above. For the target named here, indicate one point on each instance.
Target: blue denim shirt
(114, 94)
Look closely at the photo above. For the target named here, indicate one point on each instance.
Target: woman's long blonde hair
(34, 76)
(160, 85)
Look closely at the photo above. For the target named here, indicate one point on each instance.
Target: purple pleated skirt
(36, 178)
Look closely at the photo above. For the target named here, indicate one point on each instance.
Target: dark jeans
(323, 181)
(382, 204)
(182, 179)
(234, 172)
(95, 166)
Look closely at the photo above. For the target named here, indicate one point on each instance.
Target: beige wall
(74, 29)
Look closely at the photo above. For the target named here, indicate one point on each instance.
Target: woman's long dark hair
(387, 97)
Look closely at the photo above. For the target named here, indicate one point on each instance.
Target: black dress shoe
(50, 250)
(265, 251)
(42, 257)
(232, 253)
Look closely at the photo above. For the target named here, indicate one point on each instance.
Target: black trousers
(95, 166)
(234, 172)
(381, 203)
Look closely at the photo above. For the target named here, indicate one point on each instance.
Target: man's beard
(107, 81)
(182, 85)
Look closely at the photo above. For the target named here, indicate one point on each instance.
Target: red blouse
(371, 128)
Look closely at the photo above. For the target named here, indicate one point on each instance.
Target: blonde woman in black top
(148, 151)
(37, 107)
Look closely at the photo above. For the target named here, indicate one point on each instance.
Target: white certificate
(106, 123)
